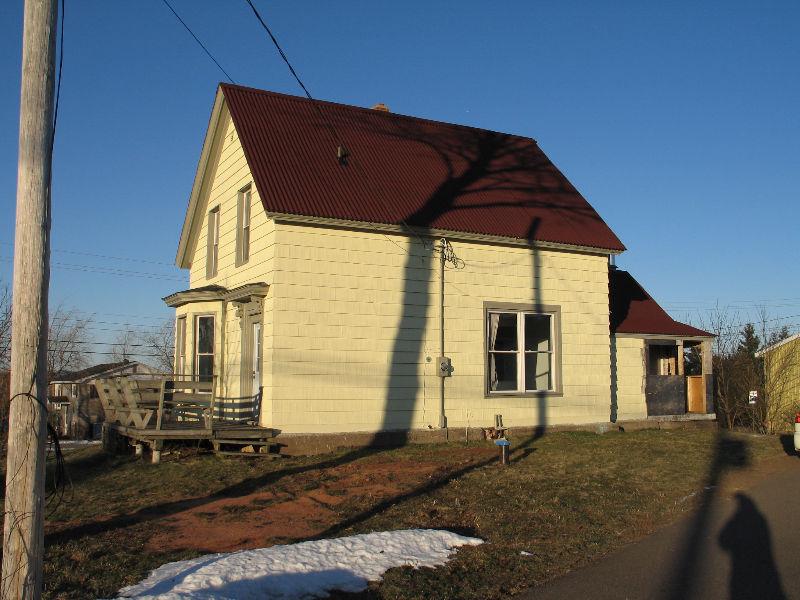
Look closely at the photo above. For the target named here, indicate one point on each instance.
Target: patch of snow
(303, 570)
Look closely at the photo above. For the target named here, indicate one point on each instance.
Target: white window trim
(554, 312)
(243, 207)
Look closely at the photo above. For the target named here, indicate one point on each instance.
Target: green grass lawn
(566, 499)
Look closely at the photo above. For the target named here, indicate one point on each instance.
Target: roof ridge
(385, 114)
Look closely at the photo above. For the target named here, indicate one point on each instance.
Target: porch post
(707, 365)
(679, 360)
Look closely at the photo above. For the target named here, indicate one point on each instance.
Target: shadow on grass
(254, 484)
(242, 488)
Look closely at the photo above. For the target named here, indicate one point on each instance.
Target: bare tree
(5, 328)
(5, 363)
(125, 346)
(734, 374)
(68, 339)
(156, 346)
(161, 343)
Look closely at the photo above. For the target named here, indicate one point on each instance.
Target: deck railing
(173, 402)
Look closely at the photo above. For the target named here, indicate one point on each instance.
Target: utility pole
(23, 531)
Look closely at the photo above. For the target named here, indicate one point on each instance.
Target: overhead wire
(89, 321)
(93, 343)
(100, 270)
(315, 103)
(196, 39)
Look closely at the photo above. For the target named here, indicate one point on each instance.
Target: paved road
(741, 543)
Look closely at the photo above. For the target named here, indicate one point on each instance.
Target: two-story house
(368, 271)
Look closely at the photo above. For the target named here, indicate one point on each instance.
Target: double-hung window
(212, 249)
(521, 351)
(204, 347)
(180, 345)
(243, 226)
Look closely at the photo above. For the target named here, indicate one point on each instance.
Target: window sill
(545, 394)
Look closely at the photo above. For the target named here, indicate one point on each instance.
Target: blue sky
(678, 121)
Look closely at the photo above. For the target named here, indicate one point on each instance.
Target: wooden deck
(152, 410)
(115, 434)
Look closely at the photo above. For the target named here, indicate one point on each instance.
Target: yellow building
(781, 382)
(365, 271)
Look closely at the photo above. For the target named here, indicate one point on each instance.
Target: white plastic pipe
(797, 433)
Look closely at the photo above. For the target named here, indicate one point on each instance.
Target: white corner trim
(199, 180)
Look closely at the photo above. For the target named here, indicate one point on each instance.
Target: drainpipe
(223, 391)
(443, 365)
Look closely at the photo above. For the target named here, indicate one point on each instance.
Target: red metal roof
(405, 170)
(633, 310)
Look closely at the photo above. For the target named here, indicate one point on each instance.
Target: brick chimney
(381, 107)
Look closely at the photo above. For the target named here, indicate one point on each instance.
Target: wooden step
(240, 442)
(243, 433)
(270, 455)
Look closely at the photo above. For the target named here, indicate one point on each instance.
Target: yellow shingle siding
(356, 331)
(228, 174)
(350, 322)
(630, 378)
(782, 375)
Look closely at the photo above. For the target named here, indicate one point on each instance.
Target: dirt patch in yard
(304, 507)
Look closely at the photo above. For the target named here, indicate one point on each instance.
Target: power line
(53, 350)
(196, 39)
(164, 317)
(121, 344)
(341, 152)
(112, 330)
(707, 302)
(58, 90)
(90, 322)
(105, 256)
(109, 271)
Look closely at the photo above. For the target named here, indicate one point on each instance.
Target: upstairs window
(212, 250)
(243, 226)
(521, 351)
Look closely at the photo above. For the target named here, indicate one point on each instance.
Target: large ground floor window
(521, 351)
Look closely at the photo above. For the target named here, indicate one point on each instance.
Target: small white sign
(752, 397)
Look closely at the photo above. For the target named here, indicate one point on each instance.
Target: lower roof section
(633, 310)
